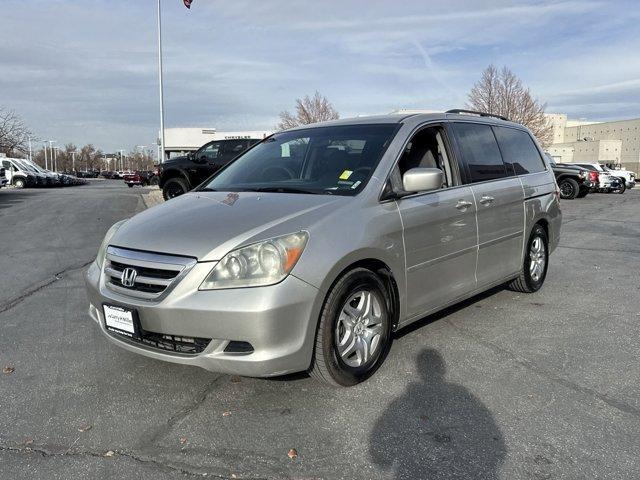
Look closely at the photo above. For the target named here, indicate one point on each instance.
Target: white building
(616, 142)
(180, 141)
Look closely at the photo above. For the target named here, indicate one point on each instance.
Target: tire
(174, 187)
(622, 189)
(19, 183)
(130, 185)
(349, 293)
(569, 189)
(528, 281)
(583, 193)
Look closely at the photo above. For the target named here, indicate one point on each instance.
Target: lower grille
(175, 343)
(143, 275)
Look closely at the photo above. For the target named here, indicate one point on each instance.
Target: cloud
(85, 71)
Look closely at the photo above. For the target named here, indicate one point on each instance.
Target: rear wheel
(536, 261)
(622, 188)
(174, 187)
(569, 189)
(19, 183)
(354, 333)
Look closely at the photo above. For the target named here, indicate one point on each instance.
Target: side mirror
(422, 179)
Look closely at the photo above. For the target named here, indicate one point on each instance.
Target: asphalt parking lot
(507, 385)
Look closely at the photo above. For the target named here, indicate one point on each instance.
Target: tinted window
(480, 151)
(209, 152)
(323, 160)
(233, 148)
(519, 151)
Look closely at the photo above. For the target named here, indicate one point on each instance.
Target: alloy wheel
(359, 328)
(537, 259)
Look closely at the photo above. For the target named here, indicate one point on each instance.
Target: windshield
(25, 166)
(323, 160)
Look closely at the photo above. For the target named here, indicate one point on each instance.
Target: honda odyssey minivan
(310, 249)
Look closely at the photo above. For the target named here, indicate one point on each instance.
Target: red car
(141, 178)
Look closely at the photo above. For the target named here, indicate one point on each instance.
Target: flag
(187, 3)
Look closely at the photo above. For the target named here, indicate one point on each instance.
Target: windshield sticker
(355, 185)
(346, 174)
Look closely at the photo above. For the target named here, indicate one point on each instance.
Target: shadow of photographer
(437, 429)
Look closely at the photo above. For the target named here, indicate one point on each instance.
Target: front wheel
(354, 334)
(19, 183)
(569, 189)
(622, 188)
(536, 261)
(174, 187)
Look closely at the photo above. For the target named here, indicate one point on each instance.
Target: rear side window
(479, 151)
(519, 151)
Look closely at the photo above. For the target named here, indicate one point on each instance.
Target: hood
(169, 162)
(207, 225)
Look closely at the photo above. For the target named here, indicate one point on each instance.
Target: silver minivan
(311, 249)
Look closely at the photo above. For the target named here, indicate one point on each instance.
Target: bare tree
(308, 110)
(502, 93)
(14, 134)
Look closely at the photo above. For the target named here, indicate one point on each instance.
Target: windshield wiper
(207, 189)
(280, 190)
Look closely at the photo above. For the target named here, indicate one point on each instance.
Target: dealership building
(616, 142)
(180, 141)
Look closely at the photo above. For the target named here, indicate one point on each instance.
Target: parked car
(109, 174)
(3, 178)
(607, 182)
(574, 182)
(180, 174)
(52, 179)
(142, 178)
(307, 251)
(17, 175)
(41, 179)
(626, 175)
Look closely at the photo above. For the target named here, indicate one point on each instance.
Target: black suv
(572, 181)
(181, 174)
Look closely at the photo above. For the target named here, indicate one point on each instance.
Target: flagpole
(161, 159)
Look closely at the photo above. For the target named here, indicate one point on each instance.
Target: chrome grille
(156, 274)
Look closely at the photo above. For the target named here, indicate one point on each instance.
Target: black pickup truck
(573, 181)
(180, 174)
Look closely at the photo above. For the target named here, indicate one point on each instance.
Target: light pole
(141, 147)
(55, 159)
(30, 155)
(73, 160)
(51, 142)
(161, 159)
(121, 160)
(46, 164)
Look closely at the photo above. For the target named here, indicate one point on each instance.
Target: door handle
(463, 205)
(486, 200)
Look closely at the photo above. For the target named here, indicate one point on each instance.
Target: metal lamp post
(161, 159)
(51, 142)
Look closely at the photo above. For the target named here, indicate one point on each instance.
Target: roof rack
(481, 114)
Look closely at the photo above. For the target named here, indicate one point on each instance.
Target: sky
(85, 71)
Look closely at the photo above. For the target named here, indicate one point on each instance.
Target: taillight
(593, 176)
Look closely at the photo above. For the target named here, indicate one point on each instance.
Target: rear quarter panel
(541, 204)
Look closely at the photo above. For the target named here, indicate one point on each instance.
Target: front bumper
(279, 321)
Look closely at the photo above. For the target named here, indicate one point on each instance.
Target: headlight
(263, 263)
(102, 252)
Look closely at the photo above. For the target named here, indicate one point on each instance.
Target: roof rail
(481, 114)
